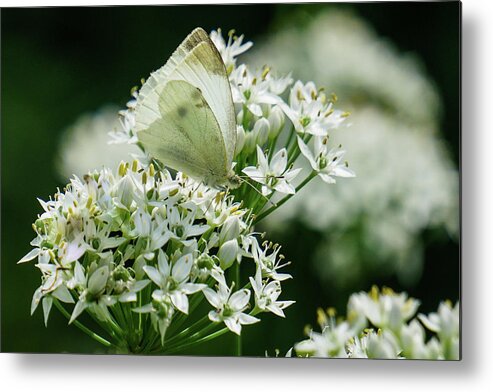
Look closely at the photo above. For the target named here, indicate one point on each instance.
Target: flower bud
(240, 139)
(227, 253)
(125, 191)
(276, 121)
(97, 281)
(262, 129)
(230, 229)
(250, 141)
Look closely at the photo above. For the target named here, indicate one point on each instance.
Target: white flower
(173, 281)
(412, 337)
(384, 310)
(381, 345)
(445, 322)
(137, 235)
(273, 176)
(251, 90)
(229, 307)
(394, 339)
(231, 49)
(310, 112)
(124, 134)
(268, 263)
(161, 311)
(93, 294)
(330, 343)
(277, 83)
(52, 287)
(266, 295)
(327, 163)
(182, 224)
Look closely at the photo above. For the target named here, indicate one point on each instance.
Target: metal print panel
(247, 180)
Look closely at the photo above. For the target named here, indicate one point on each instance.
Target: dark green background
(60, 62)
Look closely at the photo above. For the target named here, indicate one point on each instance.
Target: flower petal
(239, 299)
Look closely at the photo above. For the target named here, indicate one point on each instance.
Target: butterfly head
(234, 181)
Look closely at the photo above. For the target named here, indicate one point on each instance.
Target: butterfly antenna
(244, 179)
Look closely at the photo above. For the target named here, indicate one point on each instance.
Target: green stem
(198, 341)
(295, 151)
(82, 327)
(236, 272)
(286, 198)
(188, 331)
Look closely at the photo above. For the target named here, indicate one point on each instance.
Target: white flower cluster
(407, 182)
(277, 121)
(381, 325)
(139, 250)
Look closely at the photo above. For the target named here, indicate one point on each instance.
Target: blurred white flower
(84, 145)
(330, 343)
(374, 345)
(384, 310)
(340, 50)
(406, 182)
(446, 324)
(393, 331)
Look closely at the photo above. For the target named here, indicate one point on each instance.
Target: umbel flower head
(380, 324)
(138, 248)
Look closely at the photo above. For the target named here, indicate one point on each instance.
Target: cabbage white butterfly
(185, 114)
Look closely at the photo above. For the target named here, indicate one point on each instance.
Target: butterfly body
(185, 114)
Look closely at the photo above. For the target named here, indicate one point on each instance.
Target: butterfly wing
(198, 62)
(186, 135)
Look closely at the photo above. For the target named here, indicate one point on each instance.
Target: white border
(474, 373)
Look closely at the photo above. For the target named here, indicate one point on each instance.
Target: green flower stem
(198, 341)
(191, 338)
(290, 137)
(292, 146)
(106, 326)
(188, 331)
(295, 154)
(116, 310)
(272, 145)
(150, 339)
(236, 272)
(194, 303)
(82, 327)
(286, 198)
(113, 325)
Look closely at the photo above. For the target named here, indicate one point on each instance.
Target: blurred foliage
(60, 62)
